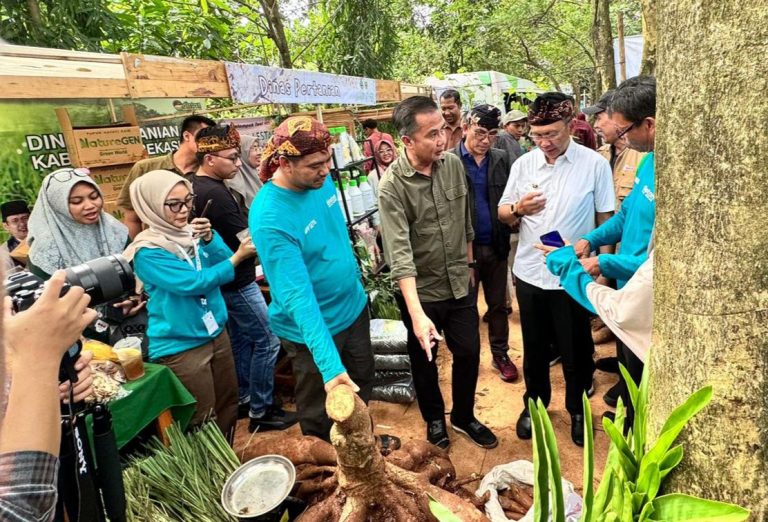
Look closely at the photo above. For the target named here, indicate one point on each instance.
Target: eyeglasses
(234, 158)
(549, 136)
(482, 134)
(622, 132)
(175, 205)
(63, 176)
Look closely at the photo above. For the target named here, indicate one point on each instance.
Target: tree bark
(648, 65)
(34, 13)
(602, 41)
(711, 282)
(277, 32)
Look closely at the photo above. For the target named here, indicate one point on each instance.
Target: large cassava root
(355, 483)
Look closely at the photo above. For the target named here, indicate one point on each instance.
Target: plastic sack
(383, 361)
(388, 336)
(521, 472)
(389, 376)
(399, 392)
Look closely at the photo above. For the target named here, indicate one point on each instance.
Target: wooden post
(319, 111)
(622, 52)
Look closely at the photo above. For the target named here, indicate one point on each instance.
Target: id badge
(210, 323)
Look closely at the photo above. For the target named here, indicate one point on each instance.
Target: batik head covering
(214, 139)
(295, 137)
(56, 241)
(148, 195)
(550, 107)
(484, 115)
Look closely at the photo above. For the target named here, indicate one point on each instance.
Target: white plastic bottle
(355, 199)
(369, 200)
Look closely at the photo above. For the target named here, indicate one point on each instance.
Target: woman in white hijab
(182, 267)
(68, 225)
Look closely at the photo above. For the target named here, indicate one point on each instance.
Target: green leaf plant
(634, 470)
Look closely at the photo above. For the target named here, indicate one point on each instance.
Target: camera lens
(104, 279)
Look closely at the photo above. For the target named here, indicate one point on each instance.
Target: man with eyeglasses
(182, 161)
(624, 161)
(15, 218)
(633, 112)
(487, 171)
(254, 345)
(565, 187)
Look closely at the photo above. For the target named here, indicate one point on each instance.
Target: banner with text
(260, 84)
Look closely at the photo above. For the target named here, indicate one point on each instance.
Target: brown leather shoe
(507, 369)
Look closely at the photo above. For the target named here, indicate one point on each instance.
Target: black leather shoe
(611, 397)
(478, 433)
(274, 419)
(577, 429)
(437, 433)
(523, 428)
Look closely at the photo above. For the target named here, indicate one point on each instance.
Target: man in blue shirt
(487, 172)
(319, 308)
(633, 110)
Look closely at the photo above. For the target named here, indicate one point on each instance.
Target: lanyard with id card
(208, 319)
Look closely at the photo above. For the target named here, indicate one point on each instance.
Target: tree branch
(578, 42)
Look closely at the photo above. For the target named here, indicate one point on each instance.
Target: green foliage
(378, 286)
(633, 473)
(182, 481)
(353, 37)
(67, 24)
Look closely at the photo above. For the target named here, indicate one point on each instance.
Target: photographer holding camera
(31, 351)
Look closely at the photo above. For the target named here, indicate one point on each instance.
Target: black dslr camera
(104, 279)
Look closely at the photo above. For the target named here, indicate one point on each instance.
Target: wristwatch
(515, 212)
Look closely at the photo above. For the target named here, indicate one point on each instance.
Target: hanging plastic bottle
(355, 199)
(369, 201)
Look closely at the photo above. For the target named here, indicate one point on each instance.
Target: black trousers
(552, 317)
(492, 272)
(458, 322)
(634, 366)
(354, 345)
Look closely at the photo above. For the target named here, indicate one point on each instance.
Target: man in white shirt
(565, 187)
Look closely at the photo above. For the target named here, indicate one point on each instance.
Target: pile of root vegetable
(516, 500)
(350, 481)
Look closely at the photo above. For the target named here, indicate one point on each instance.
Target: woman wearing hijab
(385, 152)
(247, 184)
(68, 227)
(182, 267)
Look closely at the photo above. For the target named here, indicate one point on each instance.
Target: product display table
(157, 397)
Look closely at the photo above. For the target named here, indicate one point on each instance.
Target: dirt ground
(498, 405)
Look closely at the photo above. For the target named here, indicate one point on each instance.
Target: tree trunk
(648, 65)
(602, 40)
(34, 13)
(277, 32)
(711, 283)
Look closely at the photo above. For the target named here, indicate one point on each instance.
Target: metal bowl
(258, 486)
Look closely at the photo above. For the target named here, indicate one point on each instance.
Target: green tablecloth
(157, 391)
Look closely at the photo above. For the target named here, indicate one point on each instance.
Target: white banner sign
(259, 84)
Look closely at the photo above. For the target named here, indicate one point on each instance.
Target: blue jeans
(254, 346)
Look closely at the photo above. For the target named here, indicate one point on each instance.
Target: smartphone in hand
(553, 239)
